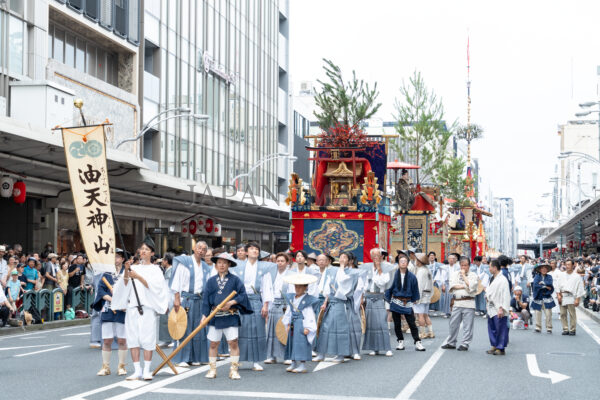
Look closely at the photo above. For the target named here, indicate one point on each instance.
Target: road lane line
(126, 384)
(46, 331)
(420, 376)
(28, 347)
(32, 337)
(263, 395)
(76, 334)
(587, 330)
(41, 351)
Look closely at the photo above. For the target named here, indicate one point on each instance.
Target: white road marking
(76, 334)
(263, 395)
(580, 316)
(534, 370)
(2, 337)
(168, 370)
(324, 364)
(420, 376)
(41, 351)
(145, 387)
(28, 347)
(126, 384)
(32, 337)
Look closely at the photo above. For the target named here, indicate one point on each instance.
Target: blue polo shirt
(31, 274)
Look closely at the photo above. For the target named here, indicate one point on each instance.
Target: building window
(68, 48)
(15, 45)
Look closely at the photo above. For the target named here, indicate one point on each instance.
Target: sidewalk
(593, 315)
(10, 330)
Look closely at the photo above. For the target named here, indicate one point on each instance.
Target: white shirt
(266, 285)
(470, 291)
(181, 280)
(3, 268)
(498, 295)
(323, 280)
(483, 276)
(571, 287)
(425, 283)
(379, 281)
(278, 284)
(308, 318)
(344, 282)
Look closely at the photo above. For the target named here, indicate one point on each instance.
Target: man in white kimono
(556, 274)
(141, 317)
(453, 264)
(498, 307)
(570, 290)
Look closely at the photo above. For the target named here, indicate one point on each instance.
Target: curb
(46, 325)
(593, 315)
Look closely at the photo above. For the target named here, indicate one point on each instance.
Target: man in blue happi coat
(188, 281)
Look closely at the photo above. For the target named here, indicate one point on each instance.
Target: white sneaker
(373, 353)
(287, 362)
(319, 358)
(183, 364)
(389, 353)
(257, 367)
(400, 345)
(356, 356)
(419, 346)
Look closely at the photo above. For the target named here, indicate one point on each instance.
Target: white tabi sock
(106, 357)
(234, 359)
(147, 367)
(137, 368)
(212, 360)
(429, 328)
(122, 356)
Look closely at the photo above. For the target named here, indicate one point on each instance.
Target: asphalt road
(58, 364)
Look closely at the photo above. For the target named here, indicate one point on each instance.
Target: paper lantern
(19, 192)
(6, 186)
(193, 227)
(208, 225)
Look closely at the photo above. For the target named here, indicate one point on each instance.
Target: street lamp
(567, 154)
(588, 112)
(260, 162)
(183, 112)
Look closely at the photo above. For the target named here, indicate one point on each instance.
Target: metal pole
(579, 186)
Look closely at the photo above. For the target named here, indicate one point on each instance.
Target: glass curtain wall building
(218, 58)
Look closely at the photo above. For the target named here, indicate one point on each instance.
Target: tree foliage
(421, 128)
(348, 103)
(452, 181)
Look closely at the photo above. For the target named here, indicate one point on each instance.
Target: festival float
(344, 207)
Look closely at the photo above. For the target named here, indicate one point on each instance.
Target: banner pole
(194, 332)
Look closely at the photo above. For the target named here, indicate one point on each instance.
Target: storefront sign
(85, 151)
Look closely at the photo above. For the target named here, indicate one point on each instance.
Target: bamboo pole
(194, 332)
(158, 349)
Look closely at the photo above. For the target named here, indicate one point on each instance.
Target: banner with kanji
(85, 151)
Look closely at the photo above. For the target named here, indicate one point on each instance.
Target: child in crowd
(300, 322)
(14, 288)
(69, 313)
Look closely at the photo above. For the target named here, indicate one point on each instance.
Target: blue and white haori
(275, 349)
(189, 280)
(338, 330)
(257, 280)
(541, 295)
(299, 315)
(377, 333)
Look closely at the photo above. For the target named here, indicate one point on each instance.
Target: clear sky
(532, 62)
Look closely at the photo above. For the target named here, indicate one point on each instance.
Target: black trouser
(4, 314)
(410, 320)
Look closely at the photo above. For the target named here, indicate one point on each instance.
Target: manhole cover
(566, 353)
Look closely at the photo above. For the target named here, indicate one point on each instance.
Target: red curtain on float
(297, 235)
(371, 231)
